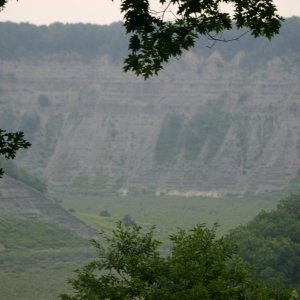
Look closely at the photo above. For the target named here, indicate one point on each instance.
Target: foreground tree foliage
(199, 266)
(2, 3)
(158, 35)
(10, 143)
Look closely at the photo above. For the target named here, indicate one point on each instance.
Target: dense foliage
(199, 266)
(271, 242)
(155, 38)
(87, 40)
(2, 3)
(132, 268)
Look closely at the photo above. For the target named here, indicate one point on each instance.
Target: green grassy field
(35, 283)
(166, 212)
(37, 258)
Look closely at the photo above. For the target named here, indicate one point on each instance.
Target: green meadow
(165, 212)
(37, 257)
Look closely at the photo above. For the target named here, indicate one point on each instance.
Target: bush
(128, 221)
(104, 213)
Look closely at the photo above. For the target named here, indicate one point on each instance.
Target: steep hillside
(213, 122)
(40, 243)
(20, 201)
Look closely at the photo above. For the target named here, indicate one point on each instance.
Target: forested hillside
(28, 41)
(270, 242)
(91, 41)
(221, 119)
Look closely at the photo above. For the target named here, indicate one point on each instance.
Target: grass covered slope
(18, 234)
(19, 200)
(40, 243)
(37, 257)
(34, 243)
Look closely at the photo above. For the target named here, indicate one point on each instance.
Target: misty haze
(215, 137)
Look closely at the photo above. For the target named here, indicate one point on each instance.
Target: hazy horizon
(94, 11)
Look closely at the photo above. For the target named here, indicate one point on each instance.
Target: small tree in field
(199, 266)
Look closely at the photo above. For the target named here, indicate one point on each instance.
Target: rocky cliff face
(203, 124)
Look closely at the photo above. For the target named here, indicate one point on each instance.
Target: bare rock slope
(203, 124)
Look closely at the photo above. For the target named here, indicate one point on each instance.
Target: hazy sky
(93, 11)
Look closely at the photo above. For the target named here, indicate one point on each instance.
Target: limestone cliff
(205, 124)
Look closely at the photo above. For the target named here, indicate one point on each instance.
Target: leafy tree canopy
(199, 266)
(10, 143)
(2, 3)
(155, 38)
